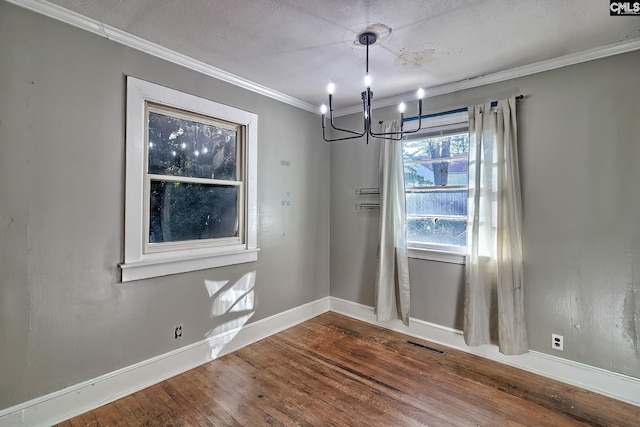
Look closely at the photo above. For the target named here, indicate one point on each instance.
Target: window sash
(438, 127)
(436, 216)
(193, 180)
(438, 247)
(432, 188)
(240, 161)
(149, 247)
(158, 247)
(435, 160)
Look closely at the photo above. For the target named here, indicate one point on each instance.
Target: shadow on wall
(232, 306)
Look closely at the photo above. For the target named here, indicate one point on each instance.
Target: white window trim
(140, 265)
(426, 251)
(431, 254)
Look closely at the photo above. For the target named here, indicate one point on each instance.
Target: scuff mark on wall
(630, 315)
(6, 221)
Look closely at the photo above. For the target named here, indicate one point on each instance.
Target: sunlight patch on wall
(232, 306)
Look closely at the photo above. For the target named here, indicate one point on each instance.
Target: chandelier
(366, 39)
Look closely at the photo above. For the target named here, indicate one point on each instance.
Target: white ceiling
(297, 46)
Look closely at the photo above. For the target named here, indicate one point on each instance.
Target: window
(193, 180)
(436, 174)
(190, 183)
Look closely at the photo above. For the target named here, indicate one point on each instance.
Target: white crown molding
(79, 398)
(611, 384)
(72, 18)
(500, 76)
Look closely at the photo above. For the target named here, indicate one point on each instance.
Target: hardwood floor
(336, 371)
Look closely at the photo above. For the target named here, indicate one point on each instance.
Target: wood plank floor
(336, 371)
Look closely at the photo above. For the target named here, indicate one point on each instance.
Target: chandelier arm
(354, 136)
(382, 134)
(359, 134)
(393, 136)
(402, 132)
(340, 139)
(386, 135)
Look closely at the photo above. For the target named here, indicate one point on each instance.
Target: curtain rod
(446, 113)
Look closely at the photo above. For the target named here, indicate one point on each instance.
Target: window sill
(162, 267)
(440, 256)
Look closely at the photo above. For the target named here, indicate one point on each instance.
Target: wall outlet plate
(557, 342)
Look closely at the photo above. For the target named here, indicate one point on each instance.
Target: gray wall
(64, 316)
(579, 133)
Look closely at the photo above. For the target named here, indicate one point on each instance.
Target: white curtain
(392, 274)
(494, 304)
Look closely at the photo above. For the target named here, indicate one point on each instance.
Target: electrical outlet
(557, 342)
(177, 333)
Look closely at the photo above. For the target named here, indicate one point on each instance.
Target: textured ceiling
(297, 46)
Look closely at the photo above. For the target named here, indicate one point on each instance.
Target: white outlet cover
(557, 342)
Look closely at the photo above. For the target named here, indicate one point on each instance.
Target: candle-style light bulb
(331, 88)
(323, 109)
(420, 93)
(367, 80)
(402, 107)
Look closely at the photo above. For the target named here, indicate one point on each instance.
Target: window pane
(439, 231)
(436, 202)
(181, 147)
(439, 161)
(440, 147)
(438, 173)
(184, 211)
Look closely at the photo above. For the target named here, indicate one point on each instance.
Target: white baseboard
(77, 399)
(611, 384)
